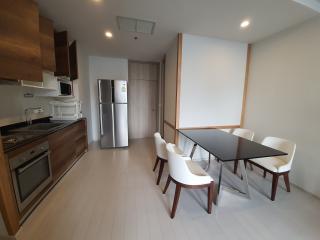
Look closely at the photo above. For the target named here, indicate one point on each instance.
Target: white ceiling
(87, 20)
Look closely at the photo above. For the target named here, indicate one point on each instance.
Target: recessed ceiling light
(245, 24)
(108, 34)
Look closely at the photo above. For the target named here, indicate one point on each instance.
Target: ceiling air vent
(135, 25)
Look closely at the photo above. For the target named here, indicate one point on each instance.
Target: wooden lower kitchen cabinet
(67, 146)
(8, 206)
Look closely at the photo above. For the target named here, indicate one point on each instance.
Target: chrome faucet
(27, 113)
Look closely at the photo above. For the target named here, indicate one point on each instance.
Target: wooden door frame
(178, 93)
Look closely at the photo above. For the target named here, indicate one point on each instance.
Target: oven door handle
(21, 170)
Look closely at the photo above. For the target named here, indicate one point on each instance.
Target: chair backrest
(245, 133)
(282, 145)
(160, 144)
(178, 167)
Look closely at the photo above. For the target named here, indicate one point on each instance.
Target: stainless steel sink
(39, 127)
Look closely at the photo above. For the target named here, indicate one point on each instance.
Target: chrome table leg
(245, 178)
(218, 193)
(193, 150)
(245, 183)
(209, 162)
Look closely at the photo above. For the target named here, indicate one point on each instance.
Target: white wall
(103, 68)
(283, 97)
(13, 103)
(212, 81)
(81, 86)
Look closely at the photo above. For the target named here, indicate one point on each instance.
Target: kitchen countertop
(14, 120)
(32, 135)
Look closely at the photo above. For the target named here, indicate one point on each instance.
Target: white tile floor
(111, 194)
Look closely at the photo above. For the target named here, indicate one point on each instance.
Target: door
(107, 138)
(105, 91)
(121, 125)
(143, 95)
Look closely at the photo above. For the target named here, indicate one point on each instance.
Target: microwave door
(65, 89)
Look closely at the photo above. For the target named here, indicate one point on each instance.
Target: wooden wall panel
(244, 99)
(172, 84)
(169, 133)
(20, 56)
(143, 99)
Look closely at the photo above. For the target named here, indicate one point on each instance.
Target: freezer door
(121, 125)
(120, 91)
(107, 137)
(105, 91)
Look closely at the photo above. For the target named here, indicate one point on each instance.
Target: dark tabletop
(228, 147)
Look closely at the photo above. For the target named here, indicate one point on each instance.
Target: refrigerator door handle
(101, 119)
(113, 135)
(99, 91)
(112, 91)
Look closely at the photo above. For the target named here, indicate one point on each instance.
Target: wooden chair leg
(251, 166)
(160, 171)
(156, 164)
(264, 173)
(176, 200)
(275, 179)
(167, 184)
(235, 167)
(287, 182)
(210, 197)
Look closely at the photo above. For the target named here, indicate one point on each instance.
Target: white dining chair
(187, 174)
(162, 155)
(277, 166)
(244, 133)
(227, 130)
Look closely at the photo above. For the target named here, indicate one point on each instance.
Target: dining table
(226, 147)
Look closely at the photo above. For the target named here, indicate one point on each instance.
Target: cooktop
(11, 141)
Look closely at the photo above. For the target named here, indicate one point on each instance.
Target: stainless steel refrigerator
(113, 110)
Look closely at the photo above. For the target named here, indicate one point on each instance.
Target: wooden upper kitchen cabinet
(66, 56)
(73, 61)
(47, 44)
(20, 56)
(61, 43)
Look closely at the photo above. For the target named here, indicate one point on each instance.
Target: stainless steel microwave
(65, 88)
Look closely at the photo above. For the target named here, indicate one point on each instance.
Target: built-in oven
(31, 174)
